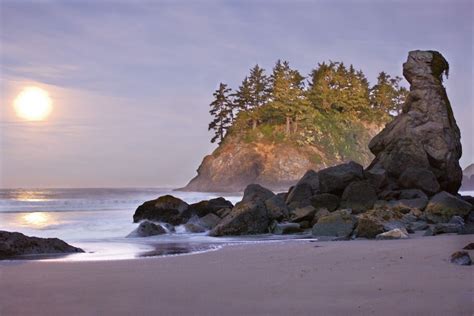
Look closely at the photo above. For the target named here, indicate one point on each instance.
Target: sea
(99, 220)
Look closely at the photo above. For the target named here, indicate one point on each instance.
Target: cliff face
(241, 160)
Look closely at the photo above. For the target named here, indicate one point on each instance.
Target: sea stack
(421, 147)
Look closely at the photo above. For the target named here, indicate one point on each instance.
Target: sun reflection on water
(37, 219)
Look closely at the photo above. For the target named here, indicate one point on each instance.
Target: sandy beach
(412, 277)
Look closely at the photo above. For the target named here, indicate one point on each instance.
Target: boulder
(319, 213)
(462, 258)
(326, 201)
(396, 233)
(167, 208)
(469, 246)
(223, 212)
(299, 196)
(277, 208)
(425, 135)
(359, 196)
(419, 178)
(303, 214)
(443, 228)
(245, 219)
(14, 244)
(417, 226)
(203, 208)
(336, 179)
(404, 205)
(286, 228)
(377, 177)
(255, 192)
(209, 221)
(443, 206)
(146, 229)
(194, 228)
(336, 224)
(377, 221)
(410, 194)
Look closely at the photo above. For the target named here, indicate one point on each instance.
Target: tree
(252, 94)
(288, 96)
(222, 111)
(387, 95)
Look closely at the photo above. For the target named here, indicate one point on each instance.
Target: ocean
(98, 221)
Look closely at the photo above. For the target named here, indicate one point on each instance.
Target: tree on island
(222, 111)
(387, 95)
(287, 94)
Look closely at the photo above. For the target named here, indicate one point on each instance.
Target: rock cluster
(16, 244)
(411, 184)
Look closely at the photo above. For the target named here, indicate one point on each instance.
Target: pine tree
(222, 111)
(387, 95)
(288, 97)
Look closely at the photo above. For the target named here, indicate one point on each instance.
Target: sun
(33, 104)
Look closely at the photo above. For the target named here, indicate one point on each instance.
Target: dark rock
(326, 201)
(305, 224)
(425, 135)
(299, 196)
(223, 212)
(359, 196)
(470, 246)
(396, 233)
(417, 226)
(377, 177)
(443, 206)
(167, 208)
(403, 206)
(254, 192)
(303, 214)
(16, 244)
(470, 217)
(336, 224)
(467, 229)
(462, 258)
(244, 219)
(312, 179)
(319, 213)
(418, 178)
(412, 194)
(146, 229)
(377, 221)
(209, 221)
(286, 228)
(194, 228)
(336, 179)
(277, 208)
(205, 207)
(443, 228)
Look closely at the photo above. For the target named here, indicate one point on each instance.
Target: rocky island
(411, 184)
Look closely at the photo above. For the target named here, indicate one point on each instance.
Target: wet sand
(412, 277)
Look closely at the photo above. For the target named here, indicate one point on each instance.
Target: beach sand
(366, 277)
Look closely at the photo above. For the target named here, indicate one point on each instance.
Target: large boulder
(336, 224)
(326, 201)
(443, 206)
(302, 214)
(359, 196)
(336, 179)
(286, 228)
(205, 207)
(167, 209)
(377, 221)
(277, 208)
(209, 221)
(425, 135)
(146, 229)
(418, 178)
(245, 219)
(299, 196)
(14, 244)
(254, 192)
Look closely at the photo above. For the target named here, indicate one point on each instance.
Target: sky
(131, 81)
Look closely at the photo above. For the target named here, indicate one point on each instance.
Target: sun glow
(37, 219)
(33, 104)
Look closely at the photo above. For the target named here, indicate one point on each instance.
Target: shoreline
(392, 277)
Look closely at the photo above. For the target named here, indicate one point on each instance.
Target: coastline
(363, 277)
